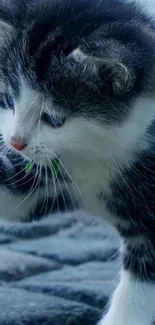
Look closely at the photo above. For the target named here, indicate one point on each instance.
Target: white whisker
(76, 187)
(37, 186)
(57, 180)
(31, 189)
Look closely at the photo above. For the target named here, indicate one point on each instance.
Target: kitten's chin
(38, 158)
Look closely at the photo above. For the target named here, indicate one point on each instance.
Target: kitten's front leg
(133, 302)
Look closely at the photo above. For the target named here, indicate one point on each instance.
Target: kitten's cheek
(7, 127)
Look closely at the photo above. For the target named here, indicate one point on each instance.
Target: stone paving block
(20, 307)
(92, 231)
(95, 294)
(91, 283)
(69, 250)
(15, 265)
(5, 239)
(92, 271)
(37, 229)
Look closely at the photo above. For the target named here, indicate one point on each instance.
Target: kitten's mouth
(54, 165)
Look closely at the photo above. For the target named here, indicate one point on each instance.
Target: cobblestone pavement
(59, 271)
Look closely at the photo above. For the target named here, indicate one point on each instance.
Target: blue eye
(54, 121)
(10, 101)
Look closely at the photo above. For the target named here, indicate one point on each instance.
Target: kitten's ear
(118, 76)
(115, 75)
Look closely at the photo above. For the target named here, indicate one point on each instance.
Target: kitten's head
(72, 79)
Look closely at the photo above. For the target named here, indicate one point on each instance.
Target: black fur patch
(133, 200)
(140, 260)
(112, 34)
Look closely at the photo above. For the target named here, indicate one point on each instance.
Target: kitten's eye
(10, 101)
(55, 122)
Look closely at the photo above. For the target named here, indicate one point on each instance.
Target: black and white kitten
(78, 80)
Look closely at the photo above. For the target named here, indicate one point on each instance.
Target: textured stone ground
(60, 271)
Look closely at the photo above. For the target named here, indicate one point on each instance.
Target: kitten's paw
(108, 321)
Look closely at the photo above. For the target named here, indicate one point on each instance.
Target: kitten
(77, 78)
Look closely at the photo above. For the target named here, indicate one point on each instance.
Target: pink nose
(18, 146)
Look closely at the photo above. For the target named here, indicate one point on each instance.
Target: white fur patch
(78, 55)
(132, 303)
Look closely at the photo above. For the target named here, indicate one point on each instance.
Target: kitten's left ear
(117, 76)
(112, 73)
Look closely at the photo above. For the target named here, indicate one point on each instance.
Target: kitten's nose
(20, 145)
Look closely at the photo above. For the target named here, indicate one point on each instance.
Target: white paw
(106, 321)
(117, 321)
(111, 319)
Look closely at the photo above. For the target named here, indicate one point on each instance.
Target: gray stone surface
(15, 266)
(68, 250)
(19, 307)
(90, 283)
(5, 239)
(60, 271)
(38, 229)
